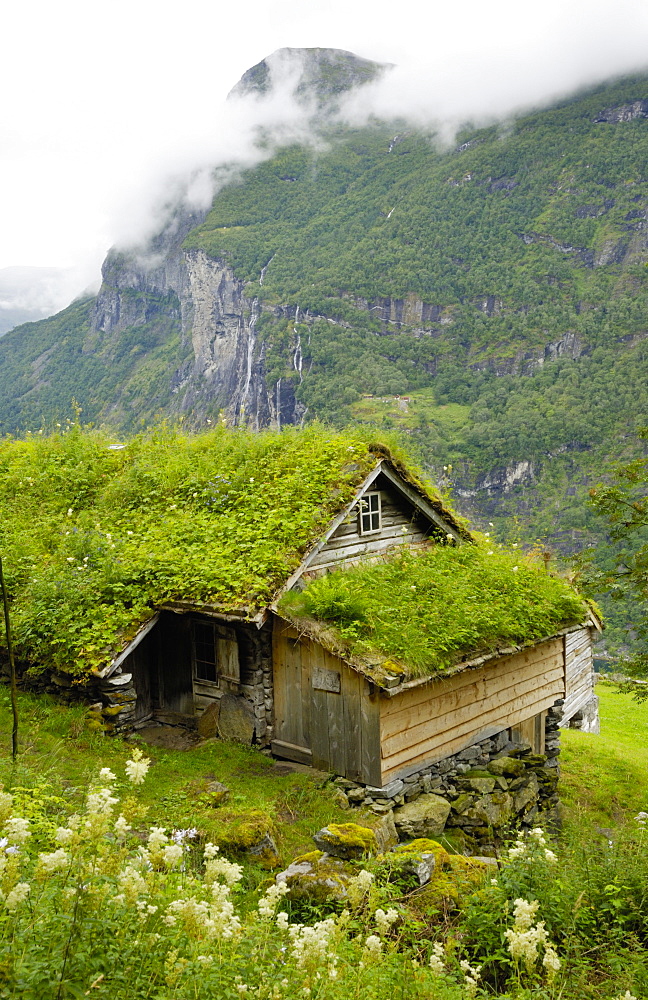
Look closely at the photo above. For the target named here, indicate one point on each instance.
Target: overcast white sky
(103, 101)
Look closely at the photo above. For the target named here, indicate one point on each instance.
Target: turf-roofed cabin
(303, 590)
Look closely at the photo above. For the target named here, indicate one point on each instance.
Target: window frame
(370, 513)
(194, 653)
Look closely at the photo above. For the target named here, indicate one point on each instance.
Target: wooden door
(292, 695)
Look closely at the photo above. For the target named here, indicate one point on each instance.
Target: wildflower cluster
(525, 938)
(533, 846)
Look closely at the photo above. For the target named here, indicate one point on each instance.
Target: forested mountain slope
(500, 283)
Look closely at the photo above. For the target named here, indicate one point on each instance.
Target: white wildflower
(70, 511)
(311, 944)
(373, 946)
(551, 962)
(63, 835)
(384, 920)
(107, 775)
(19, 893)
(282, 920)
(121, 826)
(172, 855)
(17, 830)
(101, 802)
(53, 862)
(625, 996)
(537, 834)
(205, 959)
(471, 977)
(211, 850)
(132, 883)
(137, 768)
(641, 818)
(549, 855)
(229, 871)
(157, 838)
(270, 899)
(437, 957)
(359, 887)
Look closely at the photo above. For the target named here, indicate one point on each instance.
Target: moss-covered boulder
(451, 884)
(424, 817)
(346, 840)
(422, 857)
(250, 832)
(316, 877)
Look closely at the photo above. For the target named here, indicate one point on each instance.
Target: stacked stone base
(475, 797)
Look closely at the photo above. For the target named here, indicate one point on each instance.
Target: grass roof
(94, 537)
(420, 614)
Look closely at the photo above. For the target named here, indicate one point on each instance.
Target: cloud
(116, 114)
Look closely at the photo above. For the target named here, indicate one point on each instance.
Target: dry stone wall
(475, 797)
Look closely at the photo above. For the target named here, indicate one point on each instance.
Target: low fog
(115, 120)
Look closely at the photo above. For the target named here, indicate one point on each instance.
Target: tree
(624, 503)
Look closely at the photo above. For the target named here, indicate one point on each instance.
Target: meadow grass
(605, 776)
(57, 749)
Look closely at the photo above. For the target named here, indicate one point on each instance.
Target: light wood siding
(400, 523)
(334, 730)
(578, 671)
(435, 720)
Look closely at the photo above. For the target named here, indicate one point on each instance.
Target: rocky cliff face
(216, 318)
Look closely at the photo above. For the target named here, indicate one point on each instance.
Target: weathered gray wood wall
(579, 681)
(326, 714)
(401, 524)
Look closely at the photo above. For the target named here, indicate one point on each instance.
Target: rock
(489, 811)
(509, 767)
(425, 817)
(236, 720)
(422, 857)
(384, 830)
(527, 796)
(346, 840)
(387, 791)
(340, 799)
(317, 877)
(478, 784)
(208, 721)
(356, 795)
(218, 793)
(265, 852)
(462, 803)
(119, 680)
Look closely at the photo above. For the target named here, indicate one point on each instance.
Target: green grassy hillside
(498, 283)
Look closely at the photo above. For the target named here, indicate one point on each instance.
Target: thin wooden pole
(12, 666)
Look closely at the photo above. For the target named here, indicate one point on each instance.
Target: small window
(370, 513)
(205, 655)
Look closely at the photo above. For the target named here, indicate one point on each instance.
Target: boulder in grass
(317, 878)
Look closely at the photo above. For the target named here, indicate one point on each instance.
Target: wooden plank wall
(400, 523)
(339, 730)
(579, 682)
(435, 720)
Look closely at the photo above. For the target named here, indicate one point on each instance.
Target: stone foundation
(477, 795)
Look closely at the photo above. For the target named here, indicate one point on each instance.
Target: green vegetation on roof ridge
(424, 612)
(95, 537)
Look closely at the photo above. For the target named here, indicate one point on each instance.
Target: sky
(106, 106)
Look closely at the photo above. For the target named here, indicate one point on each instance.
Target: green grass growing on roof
(428, 610)
(94, 538)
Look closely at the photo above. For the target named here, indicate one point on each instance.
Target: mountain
(488, 297)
